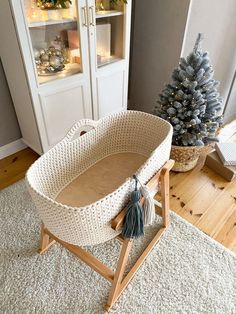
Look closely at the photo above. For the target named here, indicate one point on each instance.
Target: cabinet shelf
(70, 69)
(108, 60)
(108, 13)
(51, 22)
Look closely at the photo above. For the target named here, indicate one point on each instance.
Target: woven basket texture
(129, 131)
(185, 157)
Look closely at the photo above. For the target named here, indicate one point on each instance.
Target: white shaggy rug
(187, 272)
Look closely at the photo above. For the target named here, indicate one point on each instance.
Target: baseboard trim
(32, 146)
(11, 148)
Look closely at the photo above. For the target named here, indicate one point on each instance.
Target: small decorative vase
(185, 157)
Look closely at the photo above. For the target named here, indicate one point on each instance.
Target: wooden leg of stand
(45, 241)
(165, 197)
(115, 288)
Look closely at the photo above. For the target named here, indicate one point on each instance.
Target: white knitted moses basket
(130, 131)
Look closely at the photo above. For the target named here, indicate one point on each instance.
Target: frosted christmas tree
(191, 103)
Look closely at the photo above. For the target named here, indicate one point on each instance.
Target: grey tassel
(133, 224)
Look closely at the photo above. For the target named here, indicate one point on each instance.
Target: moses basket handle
(82, 126)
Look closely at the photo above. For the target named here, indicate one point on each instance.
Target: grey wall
(230, 109)
(158, 31)
(9, 128)
(216, 19)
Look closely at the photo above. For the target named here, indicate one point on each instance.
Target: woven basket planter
(185, 157)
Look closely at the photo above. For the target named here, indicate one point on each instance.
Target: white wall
(217, 20)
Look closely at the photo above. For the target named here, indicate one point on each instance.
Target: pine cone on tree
(191, 103)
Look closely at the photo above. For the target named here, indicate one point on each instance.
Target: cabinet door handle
(85, 19)
(91, 16)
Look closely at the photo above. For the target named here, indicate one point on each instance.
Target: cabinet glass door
(109, 31)
(54, 33)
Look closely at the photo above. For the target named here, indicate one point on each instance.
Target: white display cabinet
(76, 64)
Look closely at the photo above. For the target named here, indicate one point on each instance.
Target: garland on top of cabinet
(53, 4)
(116, 1)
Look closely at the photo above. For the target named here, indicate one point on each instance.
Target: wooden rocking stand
(116, 278)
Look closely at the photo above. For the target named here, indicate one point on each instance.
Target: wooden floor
(13, 168)
(200, 196)
(206, 199)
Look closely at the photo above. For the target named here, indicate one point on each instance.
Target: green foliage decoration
(64, 3)
(55, 3)
(116, 1)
